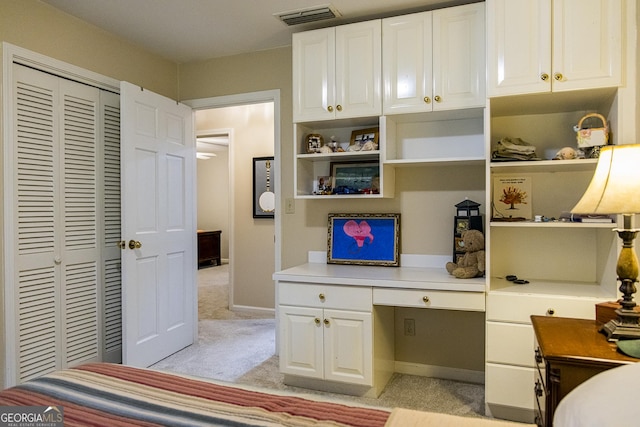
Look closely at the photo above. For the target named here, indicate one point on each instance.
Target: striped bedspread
(114, 395)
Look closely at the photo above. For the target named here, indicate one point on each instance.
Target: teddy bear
(472, 262)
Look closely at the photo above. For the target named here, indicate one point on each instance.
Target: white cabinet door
(348, 344)
(459, 57)
(337, 72)
(334, 345)
(543, 45)
(406, 44)
(434, 60)
(301, 341)
(313, 75)
(587, 44)
(359, 70)
(519, 39)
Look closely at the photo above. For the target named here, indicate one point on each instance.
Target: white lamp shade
(615, 186)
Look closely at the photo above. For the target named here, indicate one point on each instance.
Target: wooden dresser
(569, 351)
(209, 247)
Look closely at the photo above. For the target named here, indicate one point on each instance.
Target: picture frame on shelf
(263, 187)
(361, 177)
(314, 143)
(364, 239)
(511, 200)
(365, 139)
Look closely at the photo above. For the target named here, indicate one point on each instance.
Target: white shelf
(553, 288)
(529, 166)
(551, 224)
(340, 156)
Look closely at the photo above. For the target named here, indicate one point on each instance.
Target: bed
(103, 394)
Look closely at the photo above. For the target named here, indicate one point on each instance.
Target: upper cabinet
(553, 45)
(435, 60)
(337, 72)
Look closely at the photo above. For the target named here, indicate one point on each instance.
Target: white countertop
(384, 277)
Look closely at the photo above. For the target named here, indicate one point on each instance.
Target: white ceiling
(194, 30)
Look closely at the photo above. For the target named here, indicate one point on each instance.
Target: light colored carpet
(240, 348)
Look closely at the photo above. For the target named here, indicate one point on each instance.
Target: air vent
(311, 14)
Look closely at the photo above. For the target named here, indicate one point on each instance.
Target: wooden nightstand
(569, 352)
(209, 247)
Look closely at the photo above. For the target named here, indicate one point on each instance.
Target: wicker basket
(592, 137)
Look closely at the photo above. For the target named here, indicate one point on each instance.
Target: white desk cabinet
(539, 46)
(434, 60)
(319, 338)
(337, 72)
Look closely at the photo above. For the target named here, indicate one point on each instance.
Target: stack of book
(571, 217)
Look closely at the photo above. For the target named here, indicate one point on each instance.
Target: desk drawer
(510, 343)
(510, 386)
(519, 307)
(419, 298)
(356, 298)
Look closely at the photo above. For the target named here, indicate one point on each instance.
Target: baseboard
(254, 310)
(455, 374)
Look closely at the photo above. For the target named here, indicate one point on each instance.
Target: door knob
(134, 244)
(437, 98)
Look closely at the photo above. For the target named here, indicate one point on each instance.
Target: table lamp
(615, 189)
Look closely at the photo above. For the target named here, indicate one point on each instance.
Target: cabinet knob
(558, 76)
(330, 108)
(326, 322)
(317, 321)
(425, 298)
(321, 296)
(551, 312)
(437, 98)
(339, 107)
(544, 77)
(427, 100)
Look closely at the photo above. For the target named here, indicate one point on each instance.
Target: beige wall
(252, 251)
(36, 26)
(213, 197)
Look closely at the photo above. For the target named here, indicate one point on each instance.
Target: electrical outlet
(409, 327)
(290, 206)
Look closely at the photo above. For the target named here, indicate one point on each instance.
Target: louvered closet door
(112, 271)
(61, 234)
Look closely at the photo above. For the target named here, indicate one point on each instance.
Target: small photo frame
(314, 143)
(263, 187)
(364, 239)
(362, 136)
(356, 177)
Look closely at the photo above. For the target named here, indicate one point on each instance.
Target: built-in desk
(336, 322)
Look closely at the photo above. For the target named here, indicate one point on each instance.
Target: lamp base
(626, 326)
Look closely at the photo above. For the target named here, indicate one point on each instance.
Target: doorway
(232, 136)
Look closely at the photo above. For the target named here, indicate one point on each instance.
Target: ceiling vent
(311, 14)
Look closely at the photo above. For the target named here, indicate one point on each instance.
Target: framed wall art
(364, 239)
(356, 177)
(362, 136)
(264, 203)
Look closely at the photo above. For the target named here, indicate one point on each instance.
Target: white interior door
(158, 222)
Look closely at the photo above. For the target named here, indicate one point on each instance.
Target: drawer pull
(427, 100)
(551, 312)
(321, 296)
(425, 298)
(544, 77)
(538, 356)
(538, 389)
(326, 322)
(437, 98)
(317, 321)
